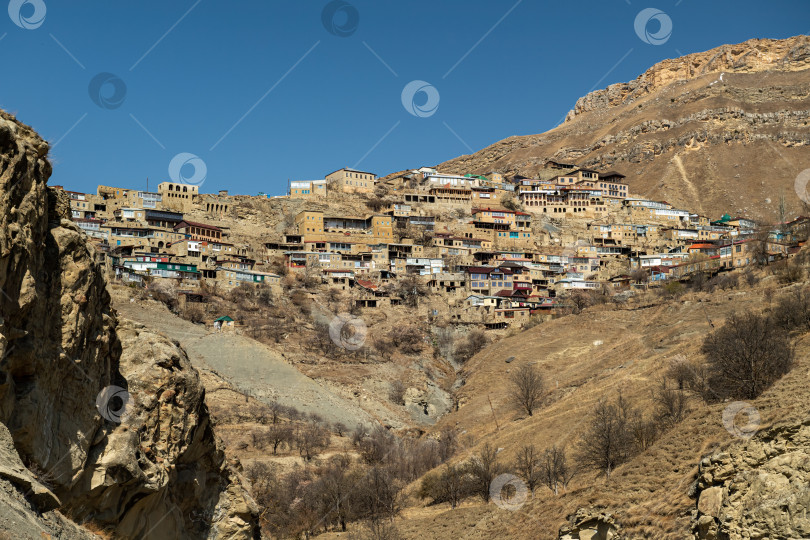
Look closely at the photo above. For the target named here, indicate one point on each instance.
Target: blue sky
(262, 91)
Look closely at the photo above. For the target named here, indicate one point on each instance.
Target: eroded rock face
(587, 524)
(749, 57)
(757, 489)
(157, 473)
(681, 132)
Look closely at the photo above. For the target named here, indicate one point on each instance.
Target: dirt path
(250, 366)
(689, 185)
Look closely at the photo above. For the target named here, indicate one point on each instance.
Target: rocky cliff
(757, 489)
(720, 131)
(753, 56)
(108, 419)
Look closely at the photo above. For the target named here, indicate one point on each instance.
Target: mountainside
(106, 421)
(725, 130)
(701, 479)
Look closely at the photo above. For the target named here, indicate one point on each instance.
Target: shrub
(452, 485)
(396, 393)
(746, 356)
(483, 469)
(672, 289)
(408, 340)
(471, 345)
(194, 314)
(615, 433)
(671, 403)
(792, 311)
(750, 277)
(790, 272)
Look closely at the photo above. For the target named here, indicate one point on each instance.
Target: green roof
(224, 318)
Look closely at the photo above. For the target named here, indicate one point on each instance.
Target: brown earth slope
(681, 133)
(598, 354)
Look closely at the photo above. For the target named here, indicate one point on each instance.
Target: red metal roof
(366, 284)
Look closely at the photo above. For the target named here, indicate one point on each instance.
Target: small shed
(223, 322)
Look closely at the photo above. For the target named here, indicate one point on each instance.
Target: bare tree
(759, 248)
(605, 444)
(640, 275)
(510, 202)
(781, 211)
(410, 288)
(377, 446)
(384, 346)
(340, 428)
(379, 529)
(279, 434)
(484, 468)
(554, 469)
(409, 339)
(526, 388)
(448, 442)
(360, 433)
(746, 356)
(529, 466)
(671, 403)
(579, 300)
(336, 486)
(311, 440)
(379, 494)
(452, 485)
(275, 409)
(642, 431)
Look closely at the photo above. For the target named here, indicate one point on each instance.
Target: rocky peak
(752, 56)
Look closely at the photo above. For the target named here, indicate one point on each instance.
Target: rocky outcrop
(684, 134)
(67, 367)
(588, 524)
(757, 489)
(754, 55)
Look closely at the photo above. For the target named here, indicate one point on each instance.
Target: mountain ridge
(681, 133)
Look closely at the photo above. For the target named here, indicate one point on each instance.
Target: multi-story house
(199, 231)
(177, 196)
(489, 280)
(351, 180)
(305, 189)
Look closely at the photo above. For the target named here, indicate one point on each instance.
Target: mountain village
(499, 249)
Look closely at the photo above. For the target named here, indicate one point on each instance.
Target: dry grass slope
(584, 358)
